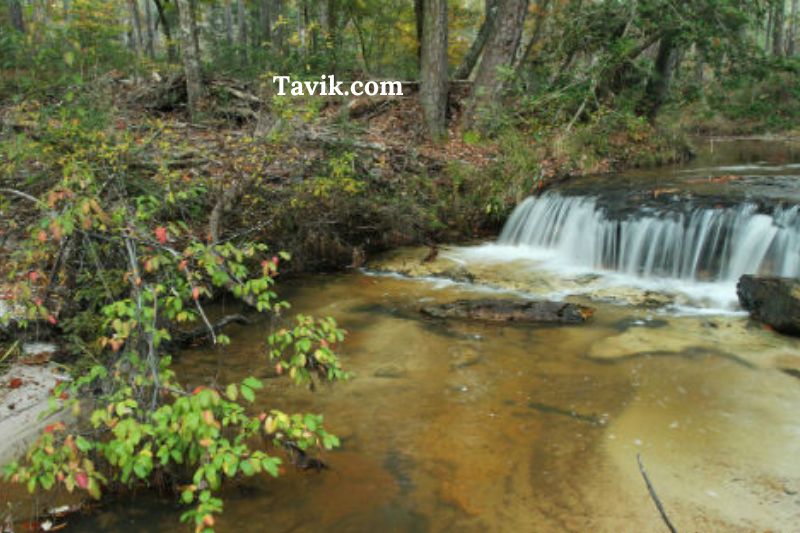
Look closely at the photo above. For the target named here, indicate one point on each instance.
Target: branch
(186, 337)
(654, 496)
(26, 196)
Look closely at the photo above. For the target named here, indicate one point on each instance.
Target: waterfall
(698, 244)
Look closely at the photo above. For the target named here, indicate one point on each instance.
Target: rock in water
(773, 301)
(511, 311)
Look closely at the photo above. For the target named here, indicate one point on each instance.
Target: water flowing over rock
(700, 244)
(773, 301)
(511, 311)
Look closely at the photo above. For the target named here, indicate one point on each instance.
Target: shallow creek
(462, 426)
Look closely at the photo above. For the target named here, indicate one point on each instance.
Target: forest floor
(333, 180)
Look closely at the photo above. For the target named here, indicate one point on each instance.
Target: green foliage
(61, 50)
(764, 96)
(125, 247)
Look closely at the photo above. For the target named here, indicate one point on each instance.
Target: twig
(26, 196)
(654, 496)
(9, 351)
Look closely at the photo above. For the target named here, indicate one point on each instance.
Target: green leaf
(248, 394)
(83, 444)
(246, 468)
(253, 383)
(232, 392)
(270, 465)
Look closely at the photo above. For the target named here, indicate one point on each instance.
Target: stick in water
(654, 496)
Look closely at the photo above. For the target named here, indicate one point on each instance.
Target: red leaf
(161, 234)
(15, 383)
(82, 479)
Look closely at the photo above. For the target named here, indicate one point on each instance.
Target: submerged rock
(517, 275)
(773, 301)
(504, 310)
(729, 337)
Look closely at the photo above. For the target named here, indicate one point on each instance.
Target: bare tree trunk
(195, 32)
(541, 19)
(227, 15)
(699, 67)
(501, 48)
(777, 30)
(278, 27)
(241, 29)
(301, 26)
(657, 89)
(419, 16)
(770, 17)
(471, 58)
(330, 23)
(793, 30)
(136, 19)
(265, 20)
(433, 68)
(151, 34)
(172, 55)
(15, 12)
(191, 61)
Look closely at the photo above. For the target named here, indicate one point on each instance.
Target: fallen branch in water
(187, 337)
(654, 496)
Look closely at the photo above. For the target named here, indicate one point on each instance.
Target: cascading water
(701, 244)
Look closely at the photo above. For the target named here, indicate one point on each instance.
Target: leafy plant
(126, 248)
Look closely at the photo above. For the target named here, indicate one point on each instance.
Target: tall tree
(172, 55)
(542, 7)
(302, 26)
(241, 28)
(500, 50)
(419, 17)
(657, 89)
(433, 68)
(777, 29)
(770, 18)
(15, 12)
(136, 20)
(792, 45)
(191, 60)
(265, 20)
(467, 65)
(150, 26)
(278, 24)
(227, 16)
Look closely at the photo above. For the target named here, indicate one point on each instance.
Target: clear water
(460, 426)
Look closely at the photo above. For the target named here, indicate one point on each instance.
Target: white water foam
(697, 255)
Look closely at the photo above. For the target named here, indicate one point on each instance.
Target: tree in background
(433, 68)
(499, 53)
(191, 60)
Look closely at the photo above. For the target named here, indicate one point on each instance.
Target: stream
(464, 426)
